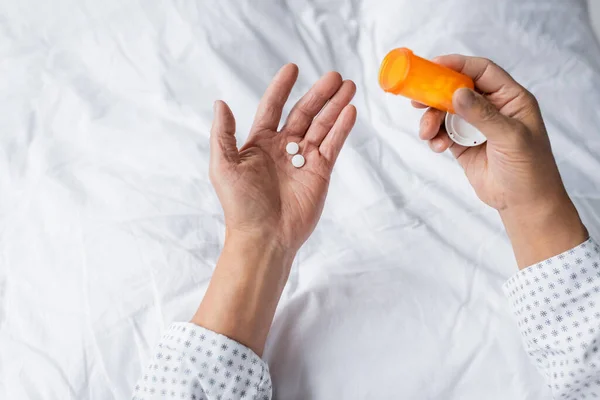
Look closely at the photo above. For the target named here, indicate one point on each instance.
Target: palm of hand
(488, 171)
(514, 175)
(268, 190)
(260, 190)
(478, 173)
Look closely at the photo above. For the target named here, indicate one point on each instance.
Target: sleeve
(556, 303)
(195, 363)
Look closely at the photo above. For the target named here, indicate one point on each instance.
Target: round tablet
(463, 133)
(292, 148)
(298, 160)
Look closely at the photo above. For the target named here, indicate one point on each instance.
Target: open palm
(261, 192)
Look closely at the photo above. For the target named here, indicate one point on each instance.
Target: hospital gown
(557, 304)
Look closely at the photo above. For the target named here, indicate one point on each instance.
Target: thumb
(223, 148)
(483, 115)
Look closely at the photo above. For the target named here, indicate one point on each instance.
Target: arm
(270, 209)
(244, 290)
(556, 306)
(543, 232)
(554, 295)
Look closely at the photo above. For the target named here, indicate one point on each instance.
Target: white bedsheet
(109, 227)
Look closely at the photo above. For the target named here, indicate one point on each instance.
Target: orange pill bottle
(403, 73)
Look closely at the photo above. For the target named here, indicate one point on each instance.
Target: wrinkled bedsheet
(109, 227)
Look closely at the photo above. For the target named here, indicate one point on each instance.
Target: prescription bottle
(411, 76)
(403, 73)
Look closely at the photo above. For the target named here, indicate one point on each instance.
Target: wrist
(245, 288)
(262, 251)
(542, 231)
(267, 239)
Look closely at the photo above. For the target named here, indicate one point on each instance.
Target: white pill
(292, 148)
(298, 160)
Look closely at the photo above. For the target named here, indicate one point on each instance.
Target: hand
(514, 171)
(262, 194)
(270, 206)
(515, 167)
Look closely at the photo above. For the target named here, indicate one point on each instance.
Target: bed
(109, 227)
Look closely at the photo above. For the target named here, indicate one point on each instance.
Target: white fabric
(556, 303)
(109, 228)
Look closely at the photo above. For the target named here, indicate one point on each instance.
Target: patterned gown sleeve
(195, 363)
(557, 305)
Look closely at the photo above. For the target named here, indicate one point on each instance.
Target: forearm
(541, 232)
(245, 289)
(218, 354)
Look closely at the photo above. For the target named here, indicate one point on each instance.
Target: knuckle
(270, 111)
(529, 97)
(530, 100)
(336, 103)
(528, 105)
(491, 64)
(484, 64)
(486, 61)
(534, 105)
(311, 102)
(324, 123)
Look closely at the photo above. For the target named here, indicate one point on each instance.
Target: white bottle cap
(463, 133)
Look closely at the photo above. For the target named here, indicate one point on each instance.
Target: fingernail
(465, 98)
(215, 106)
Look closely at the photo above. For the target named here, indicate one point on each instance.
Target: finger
(460, 153)
(271, 105)
(479, 112)
(441, 142)
(416, 104)
(332, 144)
(223, 148)
(464, 155)
(323, 123)
(488, 76)
(431, 121)
(311, 103)
(506, 94)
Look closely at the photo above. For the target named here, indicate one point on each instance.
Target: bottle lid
(463, 133)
